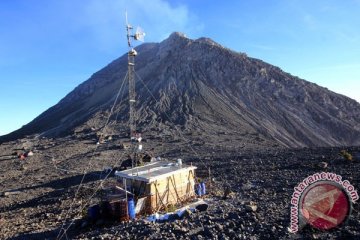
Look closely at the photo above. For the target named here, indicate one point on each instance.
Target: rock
(11, 193)
(186, 213)
(315, 236)
(247, 186)
(231, 225)
(196, 230)
(199, 237)
(252, 207)
(29, 153)
(208, 232)
(219, 227)
(323, 165)
(202, 207)
(242, 227)
(233, 215)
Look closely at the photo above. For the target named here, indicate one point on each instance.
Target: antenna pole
(131, 73)
(134, 136)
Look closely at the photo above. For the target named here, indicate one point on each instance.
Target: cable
(91, 158)
(117, 96)
(101, 181)
(88, 200)
(122, 95)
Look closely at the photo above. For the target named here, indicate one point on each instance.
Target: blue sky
(48, 47)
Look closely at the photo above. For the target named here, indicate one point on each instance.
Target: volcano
(201, 88)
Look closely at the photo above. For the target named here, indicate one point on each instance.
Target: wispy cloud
(106, 20)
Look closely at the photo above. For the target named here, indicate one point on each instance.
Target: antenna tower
(139, 35)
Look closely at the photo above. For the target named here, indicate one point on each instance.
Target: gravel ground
(40, 195)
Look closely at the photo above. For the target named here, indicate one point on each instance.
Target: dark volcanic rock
(265, 178)
(201, 86)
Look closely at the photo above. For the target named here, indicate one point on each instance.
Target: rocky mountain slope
(200, 87)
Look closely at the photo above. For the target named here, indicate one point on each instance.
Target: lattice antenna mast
(139, 35)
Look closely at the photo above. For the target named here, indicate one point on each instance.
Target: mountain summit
(200, 87)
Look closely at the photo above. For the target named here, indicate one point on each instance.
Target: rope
(121, 99)
(117, 96)
(92, 196)
(87, 201)
(88, 166)
(101, 181)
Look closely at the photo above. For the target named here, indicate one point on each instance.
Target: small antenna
(139, 34)
(126, 17)
(128, 30)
